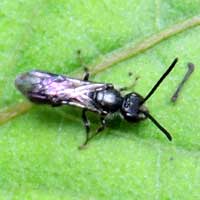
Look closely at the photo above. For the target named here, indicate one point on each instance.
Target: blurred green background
(39, 158)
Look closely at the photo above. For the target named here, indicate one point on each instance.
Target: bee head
(132, 107)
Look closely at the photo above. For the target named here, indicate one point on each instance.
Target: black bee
(56, 90)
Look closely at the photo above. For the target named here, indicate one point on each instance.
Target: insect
(102, 98)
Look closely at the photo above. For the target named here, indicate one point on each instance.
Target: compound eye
(126, 104)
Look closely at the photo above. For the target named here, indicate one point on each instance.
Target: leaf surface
(38, 150)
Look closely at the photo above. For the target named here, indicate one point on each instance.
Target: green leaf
(39, 158)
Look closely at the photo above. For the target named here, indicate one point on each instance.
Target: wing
(48, 88)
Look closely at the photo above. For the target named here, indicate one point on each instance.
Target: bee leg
(80, 59)
(123, 89)
(86, 74)
(103, 125)
(130, 86)
(101, 128)
(86, 123)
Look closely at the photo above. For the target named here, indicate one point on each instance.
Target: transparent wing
(43, 87)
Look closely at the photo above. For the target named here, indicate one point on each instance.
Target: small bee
(102, 98)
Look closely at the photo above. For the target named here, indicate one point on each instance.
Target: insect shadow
(102, 98)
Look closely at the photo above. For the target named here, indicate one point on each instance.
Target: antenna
(167, 134)
(160, 80)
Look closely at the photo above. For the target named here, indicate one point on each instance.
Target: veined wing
(43, 87)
